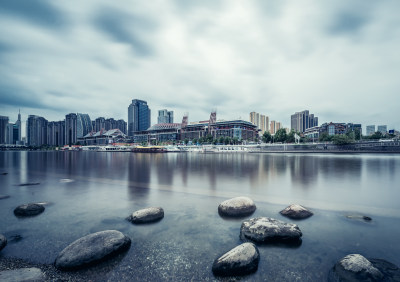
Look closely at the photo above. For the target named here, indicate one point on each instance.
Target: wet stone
(29, 209)
(241, 260)
(355, 267)
(236, 207)
(266, 229)
(146, 215)
(4, 197)
(29, 184)
(22, 274)
(296, 212)
(92, 249)
(3, 241)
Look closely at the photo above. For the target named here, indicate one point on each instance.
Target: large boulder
(22, 275)
(3, 241)
(29, 209)
(92, 249)
(266, 229)
(241, 260)
(296, 212)
(239, 206)
(146, 215)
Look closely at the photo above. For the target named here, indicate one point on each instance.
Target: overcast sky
(338, 59)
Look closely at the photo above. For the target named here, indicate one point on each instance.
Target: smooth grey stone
(239, 206)
(29, 209)
(296, 212)
(241, 260)
(29, 184)
(266, 229)
(3, 241)
(359, 217)
(355, 267)
(4, 197)
(22, 275)
(146, 215)
(92, 249)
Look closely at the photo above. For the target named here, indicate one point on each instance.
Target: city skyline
(337, 59)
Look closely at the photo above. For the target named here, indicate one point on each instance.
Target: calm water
(103, 188)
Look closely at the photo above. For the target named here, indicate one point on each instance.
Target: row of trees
(210, 140)
(280, 136)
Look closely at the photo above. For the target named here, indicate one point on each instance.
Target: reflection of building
(139, 117)
(382, 129)
(36, 130)
(70, 129)
(300, 121)
(165, 116)
(83, 125)
(370, 129)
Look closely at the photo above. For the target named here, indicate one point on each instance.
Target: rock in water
(92, 249)
(29, 209)
(266, 229)
(22, 275)
(355, 267)
(239, 206)
(146, 215)
(3, 241)
(296, 212)
(241, 260)
(4, 197)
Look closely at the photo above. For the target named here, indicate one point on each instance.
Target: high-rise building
(56, 133)
(165, 116)
(370, 129)
(3, 129)
(83, 125)
(274, 126)
(382, 129)
(100, 124)
(139, 116)
(261, 121)
(36, 130)
(121, 125)
(13, 132)
(110, 123)
(71, 129)
(300, 121)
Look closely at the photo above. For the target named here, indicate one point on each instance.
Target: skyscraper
(3, 129)
(370, 129)
(165, 116)
(70, 129)
(139, 116)
(300, 121)
(56, 133)
(36, 130)
(121, 125)
(382, 129)
(261, 121)
(83, 125)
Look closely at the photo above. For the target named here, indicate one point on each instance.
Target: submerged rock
(266, 229)
(29, 184)
(4, 173)
(355, 267)
(4, 197)
(239, 206)
(3, 241)
(29, 209)
(359, 217)
(296, 212)
(241, 260)
(22, 274)
(92, 249)
(146, 215)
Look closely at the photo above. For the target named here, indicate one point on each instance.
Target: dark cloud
(125, 28)
(13, 96)
(38, 12)
(348, 23)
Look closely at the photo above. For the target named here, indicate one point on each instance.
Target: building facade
(121, 125)
(100, 123)
(332, 128)
(261, 121)
(56, 133)
(165, 116)
(36, 131)
(300, 121)
(83, 125)
(274, 126)
(382, 129)
(71, 124)
(3, 129)
(139, 117)
(370, 129)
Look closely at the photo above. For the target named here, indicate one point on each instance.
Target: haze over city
(335, 58)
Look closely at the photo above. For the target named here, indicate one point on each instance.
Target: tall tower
(71, 129)
(83, 125)
(139, 116)
(3, 129)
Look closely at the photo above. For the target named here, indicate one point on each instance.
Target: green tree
(376, 135)
(324, 137)
(290, 137)
(280, 135)
(227, 140)
(235, 140)
(342, 139)
(194, 141)
(221, 140)
(266, 137)
(186, 141)
(357, 134)
(209, 138)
